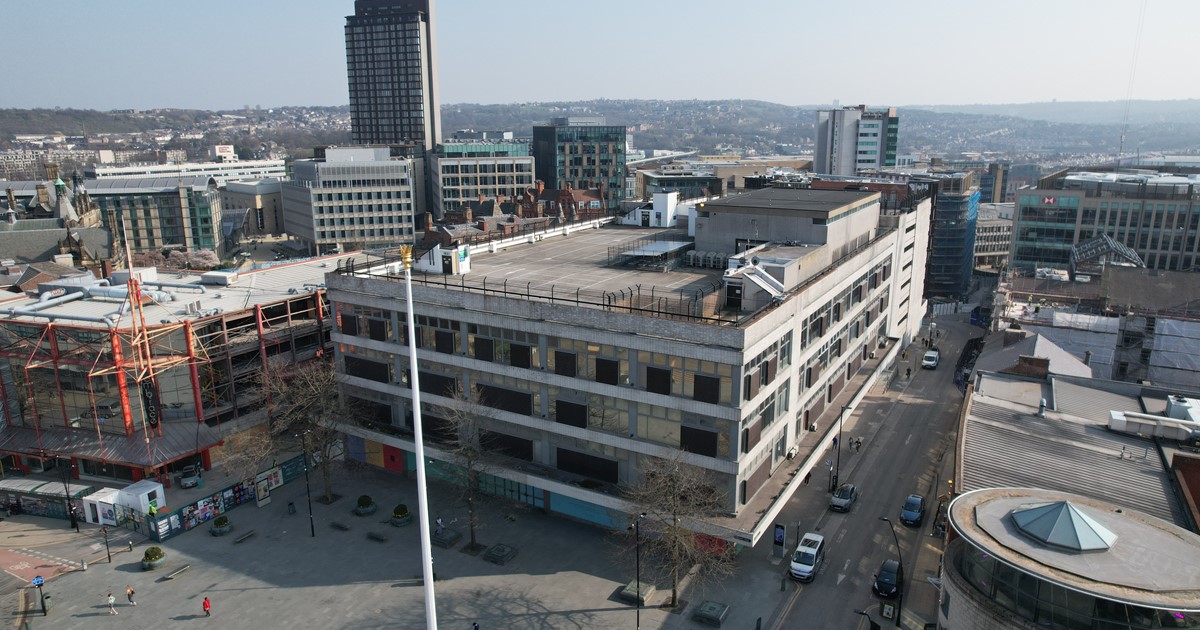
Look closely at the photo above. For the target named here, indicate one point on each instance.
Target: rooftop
(1005, 443)
(804, 200)
(262, 286)
(1150, 563)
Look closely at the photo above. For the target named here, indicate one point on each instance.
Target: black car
(913, 512)
(889, 580)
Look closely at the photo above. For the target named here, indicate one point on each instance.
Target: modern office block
(853, 139)
(582, 152)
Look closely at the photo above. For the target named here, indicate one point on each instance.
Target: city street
(907, 449)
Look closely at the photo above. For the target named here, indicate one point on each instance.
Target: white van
(808, 558)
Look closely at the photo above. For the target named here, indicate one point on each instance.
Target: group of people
(112, 602)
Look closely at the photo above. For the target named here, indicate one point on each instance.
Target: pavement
(565, 574)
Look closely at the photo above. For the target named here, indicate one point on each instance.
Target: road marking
(841, 576)
(908, 439)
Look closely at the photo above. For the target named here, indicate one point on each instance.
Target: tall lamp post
(637, 580)
(107, 551)
(874, 626)
(838, 465)
(312, 528)
(419, 446)
(900, 559)
(65, 475)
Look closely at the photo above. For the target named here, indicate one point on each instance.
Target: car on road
(843, 498)
(889, 580)
(808, 558)
(913, 511)
(931, 359)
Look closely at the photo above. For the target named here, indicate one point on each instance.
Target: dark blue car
(913, 512)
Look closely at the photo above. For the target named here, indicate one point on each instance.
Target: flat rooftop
(800, 200)
(262, 286)
(579, 261)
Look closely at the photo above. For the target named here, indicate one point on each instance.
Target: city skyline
(274, 53)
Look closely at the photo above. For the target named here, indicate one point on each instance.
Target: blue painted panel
(584, 511)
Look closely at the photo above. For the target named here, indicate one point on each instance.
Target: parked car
(931, 359)
(808, 558)
(913, 511)
(843, 498)
(189, 476)
(105, 409)
(889, 580)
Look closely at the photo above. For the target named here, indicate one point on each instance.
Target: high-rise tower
(392, 74)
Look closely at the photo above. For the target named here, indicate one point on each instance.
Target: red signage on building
(1048, 201)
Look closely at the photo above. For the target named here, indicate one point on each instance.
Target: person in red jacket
(207, 607)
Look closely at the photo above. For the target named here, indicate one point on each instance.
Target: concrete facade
(582, 391)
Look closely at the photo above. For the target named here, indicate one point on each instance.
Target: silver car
(843, 498)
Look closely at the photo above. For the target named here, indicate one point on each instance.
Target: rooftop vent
(1062, 524)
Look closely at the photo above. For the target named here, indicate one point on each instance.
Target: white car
(931, 359)
(808, 558)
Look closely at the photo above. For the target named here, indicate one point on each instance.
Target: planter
(150, 565)
(220, 531)
(401, 521)
(365, 511)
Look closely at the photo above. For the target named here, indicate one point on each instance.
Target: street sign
(38, 581)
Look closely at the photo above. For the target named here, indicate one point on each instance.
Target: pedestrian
(907, 372)
(129, 595)
(858, 444)
(112, 604)
(475, 626)
(807, 477)
(835, 441)
(440, 525)
(207, 606)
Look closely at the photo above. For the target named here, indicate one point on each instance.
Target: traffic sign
(38, 581)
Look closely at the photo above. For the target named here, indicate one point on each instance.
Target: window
(349, 324)
(485, 349)
(587, 465)
(698, 441)
(607, 371)
(707, 389)
(573, 414)
(564, 363)
(444, 341)
(505, 399)
(519, 355)
(372, 370)
(658, 380)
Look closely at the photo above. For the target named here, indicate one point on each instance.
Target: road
(907, 437)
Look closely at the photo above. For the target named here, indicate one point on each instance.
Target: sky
(226, 54)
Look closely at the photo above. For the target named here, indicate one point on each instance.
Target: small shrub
(222, 521)
(401, 511)
(365, 501)
(152, 554)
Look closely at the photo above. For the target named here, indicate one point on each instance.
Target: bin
(46, 603)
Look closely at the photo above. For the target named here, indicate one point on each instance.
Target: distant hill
(1098, 113)
(81, 121)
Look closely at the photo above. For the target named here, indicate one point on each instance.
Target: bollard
(758, 626)
(131, 545)
(782, 584)
(85, 565)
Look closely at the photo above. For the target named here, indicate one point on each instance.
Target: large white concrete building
(598, 348)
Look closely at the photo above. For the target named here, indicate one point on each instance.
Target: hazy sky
(221, 54)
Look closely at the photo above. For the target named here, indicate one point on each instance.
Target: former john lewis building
(597, 346)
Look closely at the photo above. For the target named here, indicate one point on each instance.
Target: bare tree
(467, 418)
(675, 497)
(246, 452)
(304, 405)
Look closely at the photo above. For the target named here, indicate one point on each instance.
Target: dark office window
(485, 349)
(587, 465)
(349, 324)
(443, 341)
(750, 386)
(564, 363)
(707, 389)
(698, 441)
(437, 429)
(437, 384)
(509, 445)
(505, 399)
(658, 380)
(607, 371)
(377, 329)
(519, 355)
(571, 413)
(363, 368)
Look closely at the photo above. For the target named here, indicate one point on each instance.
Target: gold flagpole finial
(406, 256)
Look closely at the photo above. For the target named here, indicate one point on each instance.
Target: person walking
(207, 607)
(112, 604)
(129, 595)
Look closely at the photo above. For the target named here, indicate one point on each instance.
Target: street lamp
(107, 551)
(637, 580)
(838, 465)
(900, 559)
(312, 528)
(65, 475)
(874, 626)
